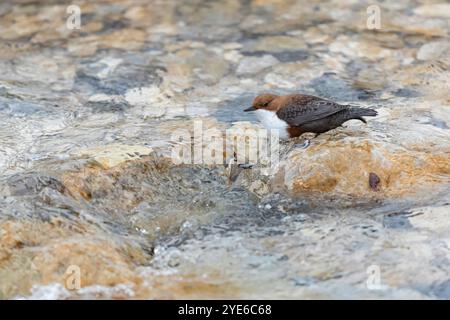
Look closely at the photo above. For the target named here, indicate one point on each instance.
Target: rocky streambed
(88, 181)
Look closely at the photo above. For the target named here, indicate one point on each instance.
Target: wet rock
(14, 49)
(284, 56)
(56, 71)
(125, 39)
(405, 92)
(152, 101)
(289, 56)
(433, 50)
(442, 290)
(21, 26)
(441, 113)
(114, 76)
(435, 10)
(416, 25)
(343, 167)
(332, 87)
(56, 291)
(370, 81)
(82, 48)
(105, 103)
(33, 183)
(198, 63)
(427, 77)
(129, 180)
(114, 154)
(99, 175)
(233, 110)
(256, 64)
(210, 23)
(116, 267)
(313, 35)
(19, 108)
(289, 75)
(233, 56)
(140, 14)
(367, 49)
(60, 246)
(275, 44)
(171, 128)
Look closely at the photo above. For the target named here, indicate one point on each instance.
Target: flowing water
(89, 117)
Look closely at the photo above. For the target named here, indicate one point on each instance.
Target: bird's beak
(249, 109)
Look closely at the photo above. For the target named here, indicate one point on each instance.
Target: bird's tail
(358, 113)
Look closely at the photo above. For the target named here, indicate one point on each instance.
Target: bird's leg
(307, 142)
(304, 145)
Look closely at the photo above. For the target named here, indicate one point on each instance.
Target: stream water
(88, 117)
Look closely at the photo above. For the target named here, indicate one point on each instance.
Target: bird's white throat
(270, 120)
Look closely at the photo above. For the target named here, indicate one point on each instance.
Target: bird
(295, 114)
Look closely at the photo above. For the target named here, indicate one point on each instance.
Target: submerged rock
(440, 10)
(256, 64)
(274, 44)
(433, 50)
(132, 187)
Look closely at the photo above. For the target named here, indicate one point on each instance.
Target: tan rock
(361, 48)
(413, 24)
(100, 262)
(275, 44)
(430, 76)
(371, 79)
(313, 35)
(342, 167)
(36, 252)
(256, 64)
(433, 50)
(126, 39)
(189, 285)
(201, 63)
(82, 48)
(19, 26)
(434, 10)
(111, 155)
(47, 36)
(104, 165)
(141, 14)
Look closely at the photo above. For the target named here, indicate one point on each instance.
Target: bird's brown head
(262, 102)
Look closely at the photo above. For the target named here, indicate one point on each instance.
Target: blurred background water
(87, 120)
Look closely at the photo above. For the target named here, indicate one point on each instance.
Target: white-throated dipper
(295, 114)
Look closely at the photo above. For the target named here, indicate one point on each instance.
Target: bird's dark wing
(306, 109)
